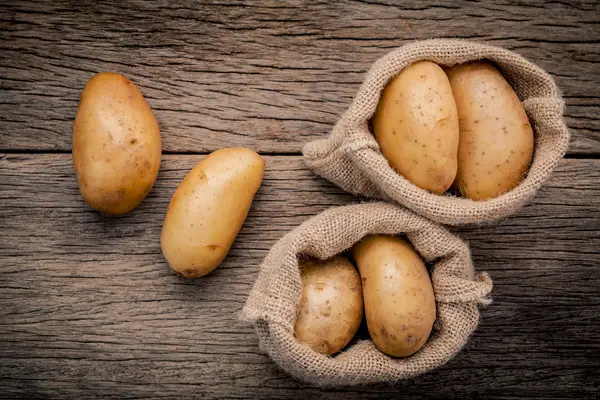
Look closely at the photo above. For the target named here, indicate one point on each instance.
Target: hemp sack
(350, 156)
(273, 302)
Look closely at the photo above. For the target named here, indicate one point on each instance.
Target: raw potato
(397, 292)
(496, 139)
(416, 126)
(331, 307)
(208, 210)
(116, 144)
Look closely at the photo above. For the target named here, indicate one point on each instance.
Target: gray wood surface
(268, 75)
(88, 306)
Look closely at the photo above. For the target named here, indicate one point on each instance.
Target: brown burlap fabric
(350, 156)
(273, 301)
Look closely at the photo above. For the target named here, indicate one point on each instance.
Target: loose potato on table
(116, 144)
(208, 210)
(397, 293)
(416, 126)
(331, 307)
(496, 139)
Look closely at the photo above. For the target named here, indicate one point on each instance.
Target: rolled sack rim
(280, 343)
(402, 192)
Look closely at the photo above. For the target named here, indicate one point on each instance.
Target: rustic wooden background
(88, 306)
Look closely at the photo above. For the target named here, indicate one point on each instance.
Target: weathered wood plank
(88, 306)
(267, 75)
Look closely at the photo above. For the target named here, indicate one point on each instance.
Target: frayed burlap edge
(351, 159)
(274, 299)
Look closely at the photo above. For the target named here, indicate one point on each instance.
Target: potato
(208, 210)
(331, 307)
(397, 292)
(416, 126)
(496, 139)
(116, 144)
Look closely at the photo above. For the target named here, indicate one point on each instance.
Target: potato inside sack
(467, 127)
(496, 138)
(398, 295)
(416, 126)
(331, 306)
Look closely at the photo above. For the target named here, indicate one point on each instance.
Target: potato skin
(397, 292)
(208, 210)
(116, 144)
(416, 126)
(331, 307)
(496, 139)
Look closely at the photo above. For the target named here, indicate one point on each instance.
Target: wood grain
(90, 308)
(267, 75)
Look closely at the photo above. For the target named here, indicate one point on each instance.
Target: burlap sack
(274, 300)
(350, 156)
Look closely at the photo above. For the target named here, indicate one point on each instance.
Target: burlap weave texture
(351, 159)
(273, 301)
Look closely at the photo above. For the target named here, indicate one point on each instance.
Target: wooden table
(89, 307)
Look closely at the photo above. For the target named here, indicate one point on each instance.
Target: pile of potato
(392, 286)
(116, 153)
(463, 129)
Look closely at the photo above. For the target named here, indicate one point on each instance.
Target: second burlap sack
(273, 302)
(350, 156)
